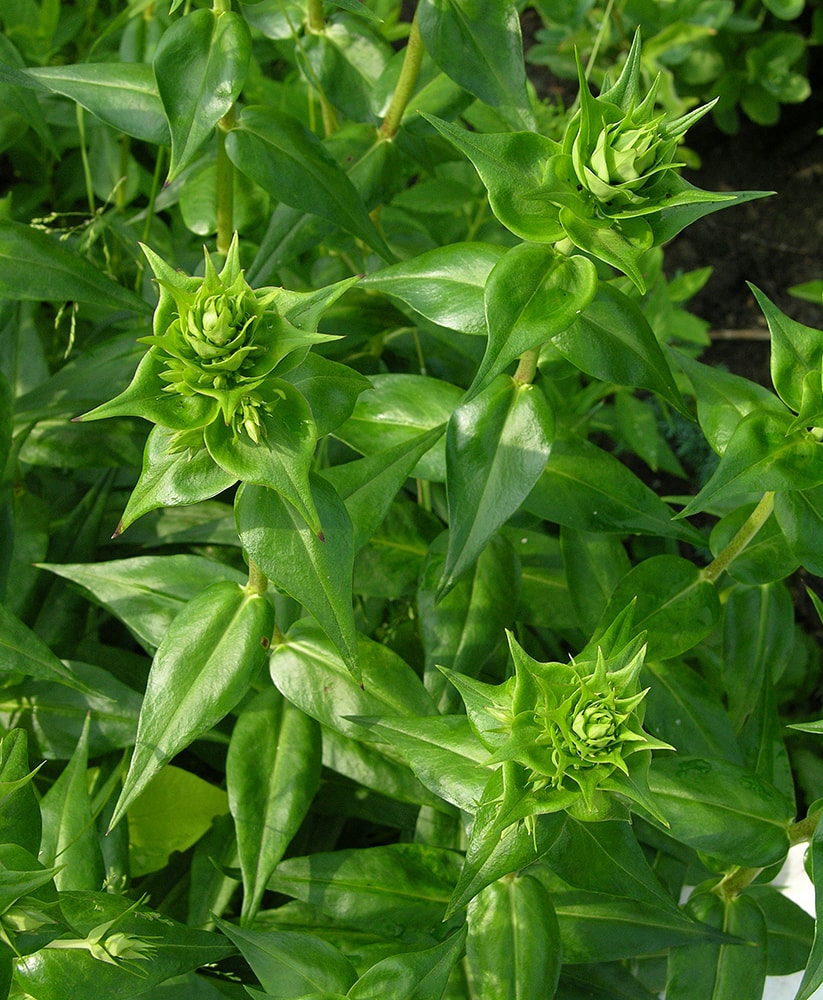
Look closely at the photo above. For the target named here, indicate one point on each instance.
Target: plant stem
(406, 82)
(737, 879)
(316, 23)
(527, 366)
(258, 581)
(225, 185)
(754, 523)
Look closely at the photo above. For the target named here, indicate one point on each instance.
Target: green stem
(258, 581)
(527, 366)
(754, 523)
(225, 185)
(84, 156)
(738, 878)
(156, 181)
(315, 18)
(406, 82)
(316, 23)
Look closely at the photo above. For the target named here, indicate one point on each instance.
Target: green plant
(750, 56)
(397, 677)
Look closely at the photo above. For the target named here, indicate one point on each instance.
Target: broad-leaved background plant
(365, 629)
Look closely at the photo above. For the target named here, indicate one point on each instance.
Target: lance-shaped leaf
(674, 605)
(813, 975)
(762, 454)
(20, 819)
(311, 673)
(587, 488)
(497, 445)
(211, 653)
(146, 592)
(720, 969)
(316, 570)
(330, 389)
(281, 458)
(703, 799)
(152, 947)
(272, 774)
(200, 65)
(800, 516)
(281, 155)
(612, 341)
(171, 478)
(445, 284)
(22, 652)
(123, 95)
(369, 485)
(516, 169)
(795, 351)
(69, 831)
(491, 46)
(412, 975)
(532, 294)
(289, 963)
(34, 266)
(383, 889)
(513, 946)
(398, 408)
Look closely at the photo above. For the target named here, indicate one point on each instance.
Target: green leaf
(412, 975)
(172, 478)
(606, 857)
(463, 630)
(513, 946)
(282, 457)
(174, 810)
(683, 710)
(619, 242)
(723, 399)
(445, 284)
(146, 592)
(200, 66)
(310, 672)
(790, 930)
(489, 41)
(368, 486)
(292, 964)
(50, 973)
(675, 606)
(762, 454)
(123, 95)
(281, 155)
(272, 774)
(330, 389)
(36, 267)
(443, 751)
(704, 798)
(593, 565)
(399, 887)
(397, 409)
(612, 341)
(800, 516)
(497, 445)
(720, 970)
(589, 489)
(22, 652)
(513, 166)
(795, 350)
(813, 974)
(145, 397)
(316, 570)
(55, 714)
(20, 820)
(213, 650)
(531, 295)
(69, 832)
